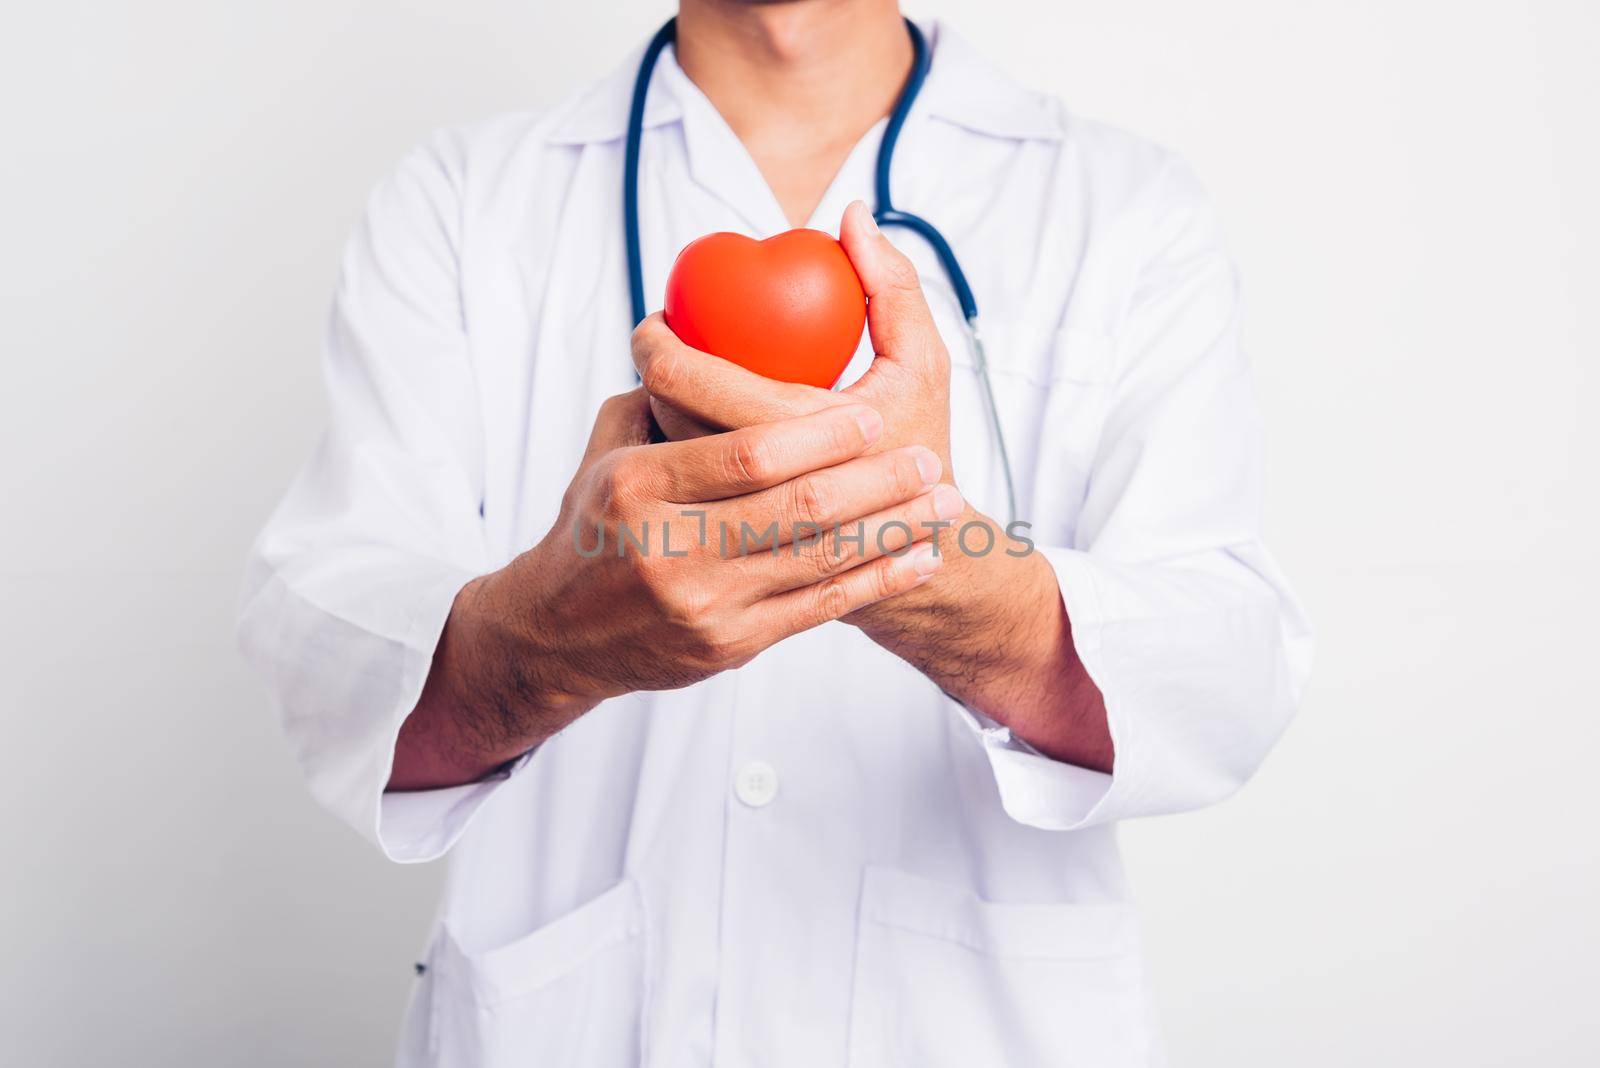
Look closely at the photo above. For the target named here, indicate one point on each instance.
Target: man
(851, 802)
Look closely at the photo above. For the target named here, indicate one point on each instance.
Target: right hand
(534, 645)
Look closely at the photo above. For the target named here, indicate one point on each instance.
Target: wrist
(466, 721)
(517, 665)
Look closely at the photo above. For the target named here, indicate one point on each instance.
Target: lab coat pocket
(570, 992)
(945, 978)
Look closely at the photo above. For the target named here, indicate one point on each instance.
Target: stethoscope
(886, 214)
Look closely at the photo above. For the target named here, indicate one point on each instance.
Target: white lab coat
(818, 859)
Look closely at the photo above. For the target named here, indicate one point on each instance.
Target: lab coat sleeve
(349, 584)
(1180, 617)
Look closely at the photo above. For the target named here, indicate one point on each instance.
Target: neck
(799, 83)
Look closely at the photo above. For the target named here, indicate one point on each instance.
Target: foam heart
(790, 307)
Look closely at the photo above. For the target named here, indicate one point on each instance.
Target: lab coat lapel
(718, 161)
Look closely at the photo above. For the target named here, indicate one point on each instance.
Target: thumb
(897, 312)
(623, 420)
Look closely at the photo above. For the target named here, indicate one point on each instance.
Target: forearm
(484, 702)
(993, 633)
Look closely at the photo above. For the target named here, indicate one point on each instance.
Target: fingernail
(929, 467)
(947, 502)
(872, 224)
(870, 422)
(924, 561)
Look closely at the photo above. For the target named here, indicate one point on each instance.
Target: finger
(622, 421)
(898, 319)
(675, 426)
(890, 532)
(819, 500)
(813, 605)
(712, 391)
(755, 458)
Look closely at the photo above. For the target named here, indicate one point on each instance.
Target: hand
(585, 615)
(636, 620)
(992, 631)
(694, 393)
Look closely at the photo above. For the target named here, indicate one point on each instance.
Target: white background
(1411, 190)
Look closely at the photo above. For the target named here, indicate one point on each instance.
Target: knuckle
(928, 359)
(833, 600)
(826, 558)
(639, 340)
(902, 274)
(625, 401)
(685, 607)
(885, 580)
(694, 605)
(616, 481)
(660, 370)
(605, 483)
(751, 458)
(612, 405)
(647, 335)
(724, 648)
(627, 407)
(879, 580)
(816, 500)
(815, 560)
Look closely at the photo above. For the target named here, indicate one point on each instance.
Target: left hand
(694, 393)
(990, 630)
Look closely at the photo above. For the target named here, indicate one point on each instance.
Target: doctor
(808, 808)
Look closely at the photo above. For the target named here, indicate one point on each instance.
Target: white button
(756, 784)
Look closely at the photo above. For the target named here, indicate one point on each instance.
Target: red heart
(790, 307)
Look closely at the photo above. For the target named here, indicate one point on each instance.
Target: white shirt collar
(962, 88)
